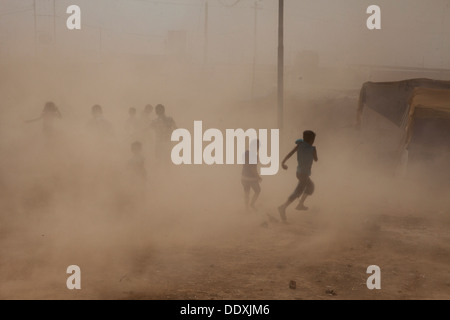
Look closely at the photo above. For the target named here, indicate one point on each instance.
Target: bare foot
(301, 207)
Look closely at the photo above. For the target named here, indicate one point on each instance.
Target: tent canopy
(429, 103)
(392, 99)
(429, 107)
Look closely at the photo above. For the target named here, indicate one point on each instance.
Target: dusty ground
(189, 237)
(245, 260)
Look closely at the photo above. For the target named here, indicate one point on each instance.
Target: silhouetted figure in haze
(145, 126)
(148, 110)
(50, 117)
(306, 155)
(250, 177)
(98, 125)
(132, 125)
(163, 126)
(137, 163)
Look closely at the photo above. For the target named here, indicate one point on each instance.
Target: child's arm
(290, 154)
(58, 114)
(173, 124)
(33, 120)
(315, 155)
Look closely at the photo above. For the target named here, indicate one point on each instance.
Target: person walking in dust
(146, 121)
(132, 125)
(50, 117)
(250, 178)
(145, 134)
(306, 155)
(136, 164)
(137, 186)
(99, 126)
(163, 127)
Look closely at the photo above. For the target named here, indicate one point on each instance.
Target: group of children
(138, 131)
(306, 155)
(141, 130)
(162, 127)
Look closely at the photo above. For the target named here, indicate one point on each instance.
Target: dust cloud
(73, 191)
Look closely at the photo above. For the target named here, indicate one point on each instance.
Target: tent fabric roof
(427, 103)
(432, 100)
(391, 99)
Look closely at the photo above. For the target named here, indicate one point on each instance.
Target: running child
(306, 155)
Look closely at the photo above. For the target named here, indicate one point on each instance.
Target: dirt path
(254, 262)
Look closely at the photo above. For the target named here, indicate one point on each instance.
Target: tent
(428, 121)
(407, 119)
(390, 99)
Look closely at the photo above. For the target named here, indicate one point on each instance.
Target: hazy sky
(414, 32)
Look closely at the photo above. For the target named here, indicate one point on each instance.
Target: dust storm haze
(70, 193)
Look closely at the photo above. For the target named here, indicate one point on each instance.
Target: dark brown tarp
(391, 99)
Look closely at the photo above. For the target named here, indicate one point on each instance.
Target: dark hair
(148, 108)
(97, 108)
(132, 110)
(309, 136)
(160, 109)
(50, 107)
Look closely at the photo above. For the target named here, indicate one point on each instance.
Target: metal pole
(255, 48)
(280, 64)
(205, 49)
(35, 31)
(54, 22)
(101, 44)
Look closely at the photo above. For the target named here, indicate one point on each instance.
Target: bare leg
(255, 197)
(247, 198)
(246, 195)
(283, 207)
(297, 192)
(301, 204)
(308, 190)
(257, 190)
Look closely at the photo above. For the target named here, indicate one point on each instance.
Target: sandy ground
(246, 260)
(189, 237)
